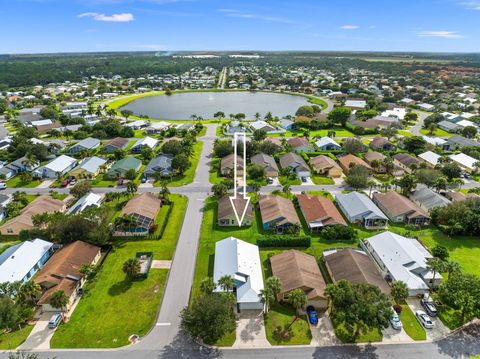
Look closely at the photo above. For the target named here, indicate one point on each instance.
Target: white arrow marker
(235, 168)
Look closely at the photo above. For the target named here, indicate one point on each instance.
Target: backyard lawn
(278, 319)
(112, 299)
(411, 325)
(438, 132)
(13, 339)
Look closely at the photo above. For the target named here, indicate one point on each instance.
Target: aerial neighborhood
(342, 205)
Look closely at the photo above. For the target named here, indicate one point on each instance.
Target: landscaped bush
(281, 241)
(339, 233)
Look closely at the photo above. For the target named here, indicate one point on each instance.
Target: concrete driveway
(40, 335)
(439, 330)
(251, 330)
(392, 336)
(323, 333)
(308, 182)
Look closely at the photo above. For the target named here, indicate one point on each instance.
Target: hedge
(284, 241)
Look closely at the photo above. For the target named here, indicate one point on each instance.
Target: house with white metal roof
(430, 158)
(58, 166)
(144, 143)
(241, 261)
(86, 144)
(358, 208)
(327, 144)
(20, 262)
(436, 141)
(88, 167)
(466, 162)
(402, 259)
(90, 200)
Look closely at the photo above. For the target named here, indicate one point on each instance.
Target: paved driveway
(40, 335)
(251, 330)
(439, 330)
(323, 333)
(393, 336)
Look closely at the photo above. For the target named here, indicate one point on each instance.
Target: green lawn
(411, 325)
(16, 182)
(450, 317)
(278, 319)
(339, 132)
(111, 299)
(284, 180)
(13, 339)
(405, 133)
(215, 177)
(101, 181)
(438, 132)
(374, 335)
(320, 180)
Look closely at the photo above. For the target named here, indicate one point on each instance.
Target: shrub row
(284, 241)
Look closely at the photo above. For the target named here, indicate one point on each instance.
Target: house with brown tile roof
(144, 208)
(267, 162)
(117, 143)
(459, 196)
(400, 209)
(298, 270)
(62, 272)
(382, 144)
(296, 163)
(300, 144)
(377, 156)
(355, 266)
(319, 212)
(406, 161)
(325, 166)
(227, 164)
(43, 204)
(278, 213)
(348, 161)
(226, 214)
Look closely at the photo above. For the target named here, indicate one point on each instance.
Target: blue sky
(33, 26)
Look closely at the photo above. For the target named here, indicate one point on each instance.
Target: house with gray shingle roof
(161, 164)
(87, 144)
(358, 208)
(428, 199)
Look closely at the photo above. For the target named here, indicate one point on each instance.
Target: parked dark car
(312, 315)
(429, 307)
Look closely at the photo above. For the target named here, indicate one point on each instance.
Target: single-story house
(467, 163)
(436, 141)
(137, 124)
(21, 261)
(267, 162)
(226, 213)
(406, 162)
(382, 144)
(296, 163)
(262, 125)
(117, 143)
(402, 259)
(287, 124)
(144, 208)
(227, 165)
(348, 161)
(458, 142)
(88, 144)
(62, 272)
(121, 167)
(449, 126)
(430, 158)
(400, 209)
(146, 142)
(298, 270)
(356, 104)
(156, 127)
(88, 167)
(5, 199)
(90, 200)
(358, 208)
(300, 144)
(22, 165)
(319, 212)
(354, 266)
(428, 199)
(162, 164)
(43, 204)
(56, 167)
(325, 166)
(241, 261)
(278, 213)
(327, 144)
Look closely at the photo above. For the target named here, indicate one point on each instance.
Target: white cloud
(471, 5)
(349, 27)
(124, 17)
(245, 15)
(444, 34)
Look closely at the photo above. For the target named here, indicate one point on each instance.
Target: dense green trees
(340, 115)
(459, 217)
(357, 177)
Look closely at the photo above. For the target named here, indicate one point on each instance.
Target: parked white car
(395, 320)
(424, 319)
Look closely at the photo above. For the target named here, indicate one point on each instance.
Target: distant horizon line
(248, 52)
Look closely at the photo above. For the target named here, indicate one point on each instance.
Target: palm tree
(432, 128)
(440, 183)
(207, 286)
(331, 134)
(297, 299)
(257, 116)
(28, 293)
(452, 267)
(287, 188)
(275, 284)
(131, 267)
(436, 265)
(131, 188)
(58, 300)
(457, 182)
(388, 164)
(227, 283)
